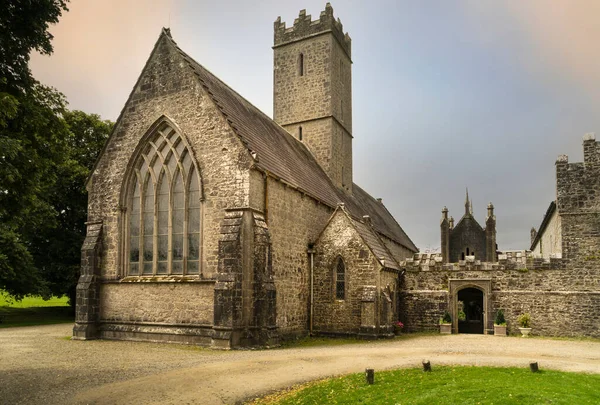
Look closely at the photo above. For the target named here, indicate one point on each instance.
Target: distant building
(468, 238)
(557, 282)
(547, 242)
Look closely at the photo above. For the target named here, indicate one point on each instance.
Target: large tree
(56, 248)
(23, 29)
(33, 139)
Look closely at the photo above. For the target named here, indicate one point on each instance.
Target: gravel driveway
(41, 365)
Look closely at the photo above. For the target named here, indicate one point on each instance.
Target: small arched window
(163, 233)
(300, 133)
(340, 279)
(301, 64)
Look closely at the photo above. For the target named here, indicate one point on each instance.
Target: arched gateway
(470, 306)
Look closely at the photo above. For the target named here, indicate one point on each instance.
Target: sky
(446, 95)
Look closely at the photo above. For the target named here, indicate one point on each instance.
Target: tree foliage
(32, 141)
(56, 249)
(24, 28)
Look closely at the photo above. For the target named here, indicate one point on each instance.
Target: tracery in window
(164, 208)
(340, 279)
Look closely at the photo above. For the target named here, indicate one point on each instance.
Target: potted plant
(446, 324)
(524, 321)
(500, 324)
(398, 326)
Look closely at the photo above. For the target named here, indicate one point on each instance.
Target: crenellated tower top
(305, 27)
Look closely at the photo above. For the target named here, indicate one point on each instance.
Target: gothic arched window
(340, 279)
(163, 224)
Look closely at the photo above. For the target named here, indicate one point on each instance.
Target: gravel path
(41, 365)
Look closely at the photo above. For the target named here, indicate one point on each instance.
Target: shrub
(500, 318)
(524, 320)
(447, 318)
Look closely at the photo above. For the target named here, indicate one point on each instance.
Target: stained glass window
(165, 208)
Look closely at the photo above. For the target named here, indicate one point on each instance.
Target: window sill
(161, 279)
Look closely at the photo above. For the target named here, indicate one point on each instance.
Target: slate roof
(376, 245)
(544, 224)
(285, 157)
(467, 218)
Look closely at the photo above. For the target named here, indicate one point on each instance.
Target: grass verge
(338, 341)
(27, 302)
(447, 385)
(33, 311)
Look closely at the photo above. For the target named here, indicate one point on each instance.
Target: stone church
(211, 223)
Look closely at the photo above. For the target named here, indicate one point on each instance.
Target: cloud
(102, 42)
(562, 36)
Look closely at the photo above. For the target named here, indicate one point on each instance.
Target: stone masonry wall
(362, 271)
(341, 86)
(317, 97)
(560, 303)
(294, 221)
(168, 87)
(578, 204)
(301, 98)
(176, 303)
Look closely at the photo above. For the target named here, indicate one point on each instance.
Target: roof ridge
(185, 54)
(469, 216)
(549, 211)
(377, 235)
(380, 260)
(280, 154)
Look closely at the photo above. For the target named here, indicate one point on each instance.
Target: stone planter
(499, 330)
(446, 328)
(525, 331)
(398, 332)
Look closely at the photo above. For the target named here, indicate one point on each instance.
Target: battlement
(522, 260)
(576, 183)
(305, 27)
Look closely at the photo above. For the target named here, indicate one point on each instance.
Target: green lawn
(33, 311)
(338, 341)
(449, 385)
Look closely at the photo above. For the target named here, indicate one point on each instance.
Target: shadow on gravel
(12, 317)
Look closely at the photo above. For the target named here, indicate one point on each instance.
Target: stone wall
(244, 295)
(578, 204)
(318, 97)
(294, 220)
(146, 301)
(331, 315)
(298, 98)
(562, 301)
(167, 88)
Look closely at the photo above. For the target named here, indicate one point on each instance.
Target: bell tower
(312, 89)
